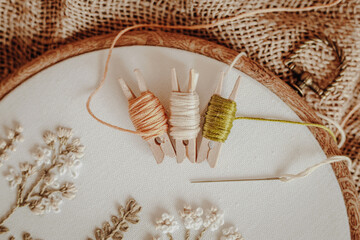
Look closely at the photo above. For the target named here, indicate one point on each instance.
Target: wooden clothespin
(185, 148)
(210, 150)
(160, 146)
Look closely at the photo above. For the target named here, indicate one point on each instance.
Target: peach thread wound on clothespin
(184, 117)
(149, 118)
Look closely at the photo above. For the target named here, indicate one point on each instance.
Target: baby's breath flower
(42, 155)
(167, 224)
(214, 219)
(46, 204)
(14, 178)
(19, 138)
(19, 128)
(27, 168)
(69, 164)
(10, 134)
(49, 137)
(37, 207)
(53, 202)
(68, 191)
(4, 156)
(51, 179)
(2, 144)
(76, 148)
(231, 233)
(64, 132)
(192, 219)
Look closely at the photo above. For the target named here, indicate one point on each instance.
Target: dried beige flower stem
(201, 234)
(187, 234)
(23, 201)
(120, 223)
(36, 184)
(170, 236)
(17, 204)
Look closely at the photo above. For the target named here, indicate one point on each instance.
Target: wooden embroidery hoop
(220, 53)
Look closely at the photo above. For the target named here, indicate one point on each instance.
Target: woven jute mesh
(31, 27)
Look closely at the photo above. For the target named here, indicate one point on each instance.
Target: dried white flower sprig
(231, 233)
(9, 144)
(212, 220)
(192, 219)
(167, 225)
(39, 184)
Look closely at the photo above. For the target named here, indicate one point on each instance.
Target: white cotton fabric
(117, 165)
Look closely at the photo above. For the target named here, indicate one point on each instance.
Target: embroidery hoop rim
(217, 52)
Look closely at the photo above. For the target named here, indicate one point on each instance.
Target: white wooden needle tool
(209, 149)
(160, 146)
(184, 117)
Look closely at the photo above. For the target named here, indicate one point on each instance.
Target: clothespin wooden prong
(160, 146)
(185, 148)
(126, 90)
(210, 150)
(141, 81)
(191, 147)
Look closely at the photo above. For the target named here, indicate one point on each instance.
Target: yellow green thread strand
(291, 122)
(219, 118)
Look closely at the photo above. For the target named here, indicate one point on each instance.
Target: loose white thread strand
(285, 177)
(184, 115)
(234, 62)
(339, 128)
(308, 171)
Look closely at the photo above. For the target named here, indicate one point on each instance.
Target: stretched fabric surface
(31, 27)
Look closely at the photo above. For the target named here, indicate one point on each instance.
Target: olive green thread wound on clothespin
(220, 116)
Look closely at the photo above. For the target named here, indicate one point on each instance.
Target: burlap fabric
(31, 27)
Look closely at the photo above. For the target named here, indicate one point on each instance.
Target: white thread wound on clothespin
(185, 117)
